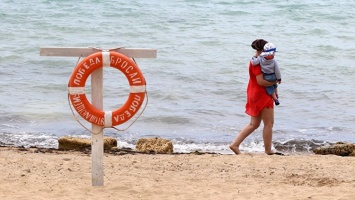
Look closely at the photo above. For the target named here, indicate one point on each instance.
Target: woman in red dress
(260, 105)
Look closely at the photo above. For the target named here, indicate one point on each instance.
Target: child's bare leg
(276, 93)
(273, 95)
(275, 98)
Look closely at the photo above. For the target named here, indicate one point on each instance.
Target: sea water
(197, 84)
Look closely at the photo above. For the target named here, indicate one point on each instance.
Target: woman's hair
(258, 44)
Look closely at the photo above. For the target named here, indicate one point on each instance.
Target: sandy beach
(51, 174)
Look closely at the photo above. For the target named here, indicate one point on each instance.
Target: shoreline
(288, 148)
(39, 173)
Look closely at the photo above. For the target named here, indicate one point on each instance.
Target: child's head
(269, 50)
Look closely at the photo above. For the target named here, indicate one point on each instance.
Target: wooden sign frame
(97, 139)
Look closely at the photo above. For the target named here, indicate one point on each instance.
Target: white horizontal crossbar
(85, 51)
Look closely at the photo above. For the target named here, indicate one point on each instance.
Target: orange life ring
(76, 89)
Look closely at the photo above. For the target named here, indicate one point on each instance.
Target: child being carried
(270, 69)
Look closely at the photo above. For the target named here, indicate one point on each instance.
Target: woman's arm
(262, 82)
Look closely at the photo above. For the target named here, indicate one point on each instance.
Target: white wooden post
(97, 136)
(97, 144)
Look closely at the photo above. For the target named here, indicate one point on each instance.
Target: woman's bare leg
(244, 133)
(267, 115)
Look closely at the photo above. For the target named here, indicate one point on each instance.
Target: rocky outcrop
(73, 143)
(154, 145)
(340, 149)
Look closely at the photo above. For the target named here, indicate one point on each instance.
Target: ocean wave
(299, 146)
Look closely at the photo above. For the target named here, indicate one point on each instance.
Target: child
(270, 69)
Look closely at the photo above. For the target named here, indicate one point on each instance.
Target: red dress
(257, 97)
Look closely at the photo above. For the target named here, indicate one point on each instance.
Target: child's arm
(277, 72)
(255, 60)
